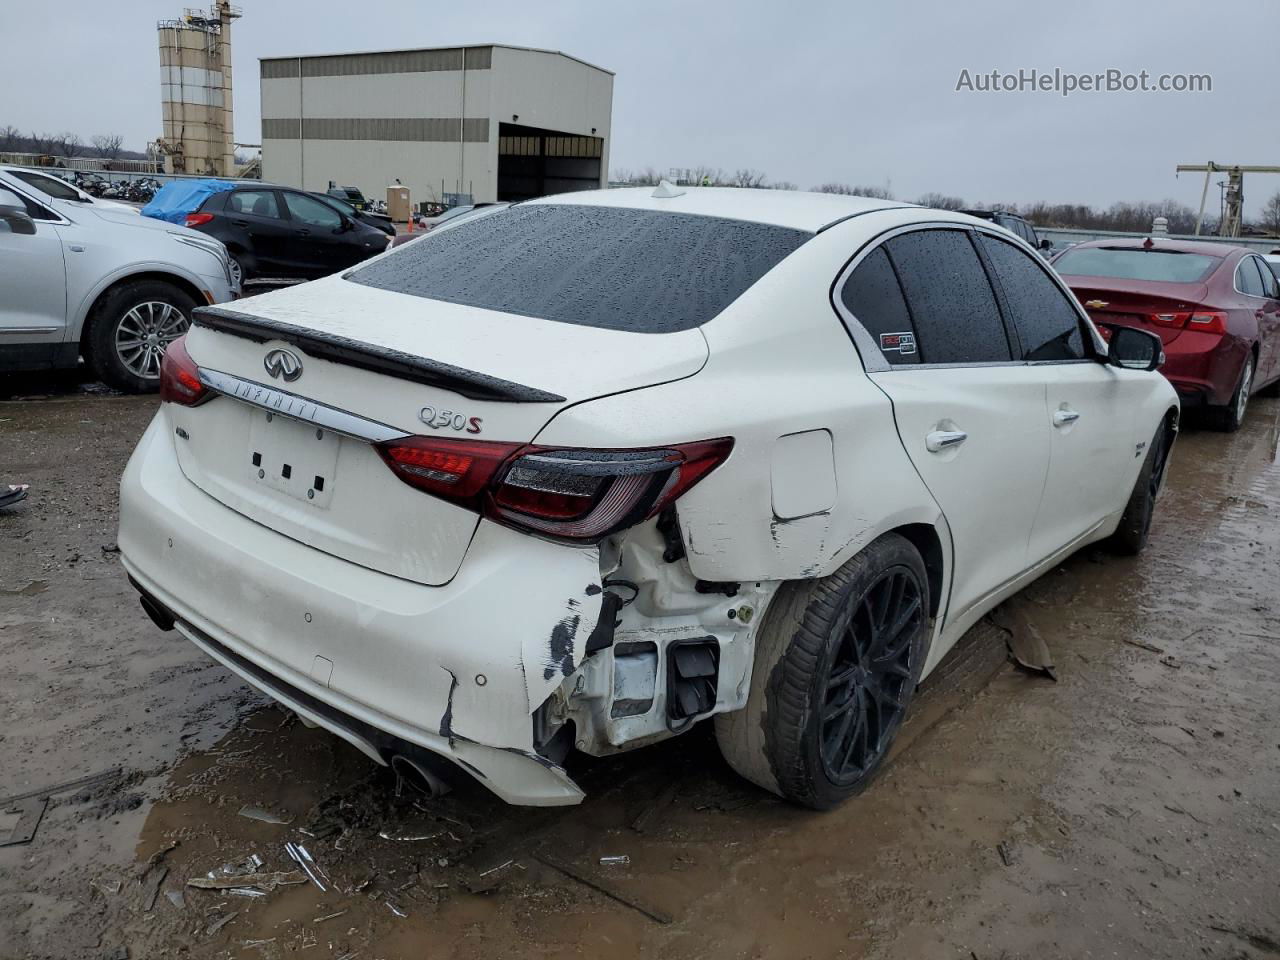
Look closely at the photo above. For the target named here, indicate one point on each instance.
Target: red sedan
(1215, 306)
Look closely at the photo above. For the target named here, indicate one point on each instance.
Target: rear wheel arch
(924, 537)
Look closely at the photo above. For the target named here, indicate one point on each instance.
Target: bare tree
(707, 176)
(784, 185)
(875, 193)
(746, 177)
(940, 201)
(43, 143)
(68, 144)
(1270, 214)
(108, 145)
(10, 138)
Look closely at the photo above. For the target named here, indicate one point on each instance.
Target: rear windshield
(1167, 266)
(642, 271)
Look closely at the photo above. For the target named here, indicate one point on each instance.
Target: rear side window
(1247, 278)
(257, 203)
(53, 186)
(614, 268)
(1269, 286)
(1047, 323)
(1124, 263)
(950, 299)
(872, 294)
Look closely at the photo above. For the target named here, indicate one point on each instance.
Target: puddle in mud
(29, 589)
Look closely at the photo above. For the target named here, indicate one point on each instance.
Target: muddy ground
(1132, 809)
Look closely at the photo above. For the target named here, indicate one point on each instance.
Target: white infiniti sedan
(593, 468)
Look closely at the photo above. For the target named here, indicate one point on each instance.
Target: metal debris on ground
(30, 812)
(152, 888)
(501, 866)
(303, 859)
(221, 922)
(1142, 645)
(653, 913)
(395, 909)
(328, 916)
(622, 860)
(245, 892)
(266, 882)
(1008, 854)
(265, 815)
(1026, 645)
(411, 832)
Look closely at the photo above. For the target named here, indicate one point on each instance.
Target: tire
(1135, 523)
(239, 270)
(151, 313)
(1228, 418)
(776, 741)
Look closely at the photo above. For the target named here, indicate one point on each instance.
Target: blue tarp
(177, 198)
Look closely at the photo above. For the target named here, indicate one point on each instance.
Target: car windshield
(337, 203)
(1125, 263)
(642, 271)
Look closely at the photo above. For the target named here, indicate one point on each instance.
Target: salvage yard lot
(1131, 809)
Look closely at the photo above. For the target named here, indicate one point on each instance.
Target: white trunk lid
(389, 359)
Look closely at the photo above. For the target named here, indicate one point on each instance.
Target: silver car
(84, 280)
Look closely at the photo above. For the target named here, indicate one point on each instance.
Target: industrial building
(491, 122)
(195, 91)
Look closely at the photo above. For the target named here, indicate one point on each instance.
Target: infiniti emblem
(283, 364)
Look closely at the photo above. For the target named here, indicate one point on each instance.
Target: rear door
(971, 418)
(1267, 312)
(1090, 406)
(258, 216)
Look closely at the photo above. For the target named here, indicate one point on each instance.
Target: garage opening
(533, 162)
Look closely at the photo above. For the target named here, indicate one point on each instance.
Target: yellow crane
(1230, 226)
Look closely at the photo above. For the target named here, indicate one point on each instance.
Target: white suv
(590, 469)
(84, 279)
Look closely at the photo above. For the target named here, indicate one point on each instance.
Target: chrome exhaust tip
(419, 777)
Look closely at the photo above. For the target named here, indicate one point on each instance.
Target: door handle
(239, 223)
(304, 233)
(940, 440)
(1063, 417)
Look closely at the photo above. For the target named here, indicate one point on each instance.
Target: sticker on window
(903, 343)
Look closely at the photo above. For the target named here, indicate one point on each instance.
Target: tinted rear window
(642, 271)
(1124, 264)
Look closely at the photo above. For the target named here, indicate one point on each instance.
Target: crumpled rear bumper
(456, 670)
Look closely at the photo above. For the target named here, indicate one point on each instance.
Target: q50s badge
(449, 420)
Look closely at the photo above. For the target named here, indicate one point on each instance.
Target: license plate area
(300, 460)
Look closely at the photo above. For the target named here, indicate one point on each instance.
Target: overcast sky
(852, 91)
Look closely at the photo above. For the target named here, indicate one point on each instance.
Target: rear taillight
(180, 377)
(198, 219)
(579, 495)
(1208, 321)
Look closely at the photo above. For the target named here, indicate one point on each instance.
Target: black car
(379, 220)
(351, 195)
(277, 233)
(1015, 225)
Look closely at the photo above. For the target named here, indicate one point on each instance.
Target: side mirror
(14, 212)
(1046, 244)
(1134, 349)
(18, 219)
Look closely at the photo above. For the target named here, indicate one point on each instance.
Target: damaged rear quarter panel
(780, 364)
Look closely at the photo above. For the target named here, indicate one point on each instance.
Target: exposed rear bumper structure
(393, 667)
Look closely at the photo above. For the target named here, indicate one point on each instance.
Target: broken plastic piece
(263, 814)
(245, 892)
(303, 859)
(622, 860)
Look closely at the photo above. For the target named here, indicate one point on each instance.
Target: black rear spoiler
(371, 357)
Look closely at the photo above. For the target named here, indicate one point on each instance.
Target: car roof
(1179, 246)
(783, 208)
